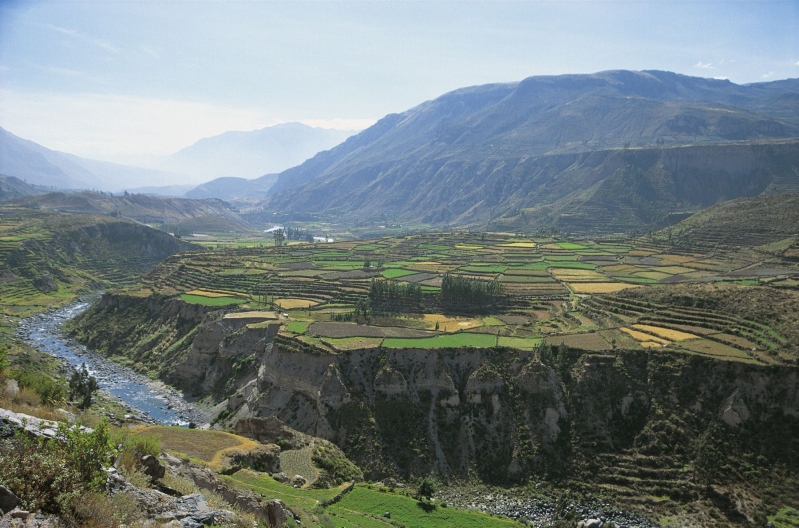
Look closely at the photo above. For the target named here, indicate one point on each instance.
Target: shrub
(82, 386)
(51, 392)
(46, 474)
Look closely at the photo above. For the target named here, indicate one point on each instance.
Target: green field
(444, 341)
(366, 506)
(393, 273)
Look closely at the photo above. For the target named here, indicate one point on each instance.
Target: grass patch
(367, 504)
(207, 446)
(522, 343)
(393, 273)
(298, 327)
(786, 518)
(269, 487)
(298, 462)
(444, 341)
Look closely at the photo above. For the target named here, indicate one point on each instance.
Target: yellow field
(292, 303)
(643, 338)
(666, 333)
(600, 287)
(251, 315)
(650, 344)
(520, 245)
(209, 446)
(214, 293)
(432, 267)
(450, 324)
(569, 274)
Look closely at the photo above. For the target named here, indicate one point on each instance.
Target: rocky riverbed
(145, 400)
(541, 512)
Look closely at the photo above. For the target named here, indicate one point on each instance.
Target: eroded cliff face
(505, 416)
(635, 422)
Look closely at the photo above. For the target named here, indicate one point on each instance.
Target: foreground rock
(8, 501)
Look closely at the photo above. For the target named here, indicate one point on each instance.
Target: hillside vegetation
(47, 257)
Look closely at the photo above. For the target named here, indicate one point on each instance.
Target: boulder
(276, 513)
(152, 467)
(8, 501)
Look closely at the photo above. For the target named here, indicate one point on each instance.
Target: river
(148, 400)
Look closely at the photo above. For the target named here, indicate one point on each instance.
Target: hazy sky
(108, 79)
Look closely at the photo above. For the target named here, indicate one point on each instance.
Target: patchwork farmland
(583, 294)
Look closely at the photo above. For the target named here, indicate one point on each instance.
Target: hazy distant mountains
(39, 165)
(240, 155)
(632, 147)
(251, 154)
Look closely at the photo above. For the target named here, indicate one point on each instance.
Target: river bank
(146, 400)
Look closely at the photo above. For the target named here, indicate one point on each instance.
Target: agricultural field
(553, 291)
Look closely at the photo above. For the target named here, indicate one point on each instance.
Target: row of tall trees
(393, 296)
(463, 293)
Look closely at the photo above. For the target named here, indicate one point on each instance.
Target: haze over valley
(374, 264)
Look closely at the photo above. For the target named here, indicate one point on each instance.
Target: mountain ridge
(466, 135)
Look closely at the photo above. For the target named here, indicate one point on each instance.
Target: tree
(426, 488)
(279, 237)
(82, 386)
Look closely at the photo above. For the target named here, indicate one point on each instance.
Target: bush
(426, 488)
(82, 386)
(51, 392)
(46, 474)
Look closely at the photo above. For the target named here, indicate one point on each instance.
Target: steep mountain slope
(251, 154)
(759, 221)
(12, 188)
(39, 165)
(142, 208)
(46, 257)
(485, 152)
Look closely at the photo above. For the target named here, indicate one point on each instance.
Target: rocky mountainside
(500, 151)
(171, 213)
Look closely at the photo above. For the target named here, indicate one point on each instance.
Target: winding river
(146, 400)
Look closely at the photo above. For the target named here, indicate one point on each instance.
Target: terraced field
(578, 293)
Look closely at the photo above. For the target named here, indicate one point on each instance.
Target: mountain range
(239, 155)
(251, 154)
(606, 152)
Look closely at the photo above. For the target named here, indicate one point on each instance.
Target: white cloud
(100, 43)
(796, 63)
(767, 75)
(722, 78)
(112, 127)
(704, 65)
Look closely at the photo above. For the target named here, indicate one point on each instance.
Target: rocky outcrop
(274, 511)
